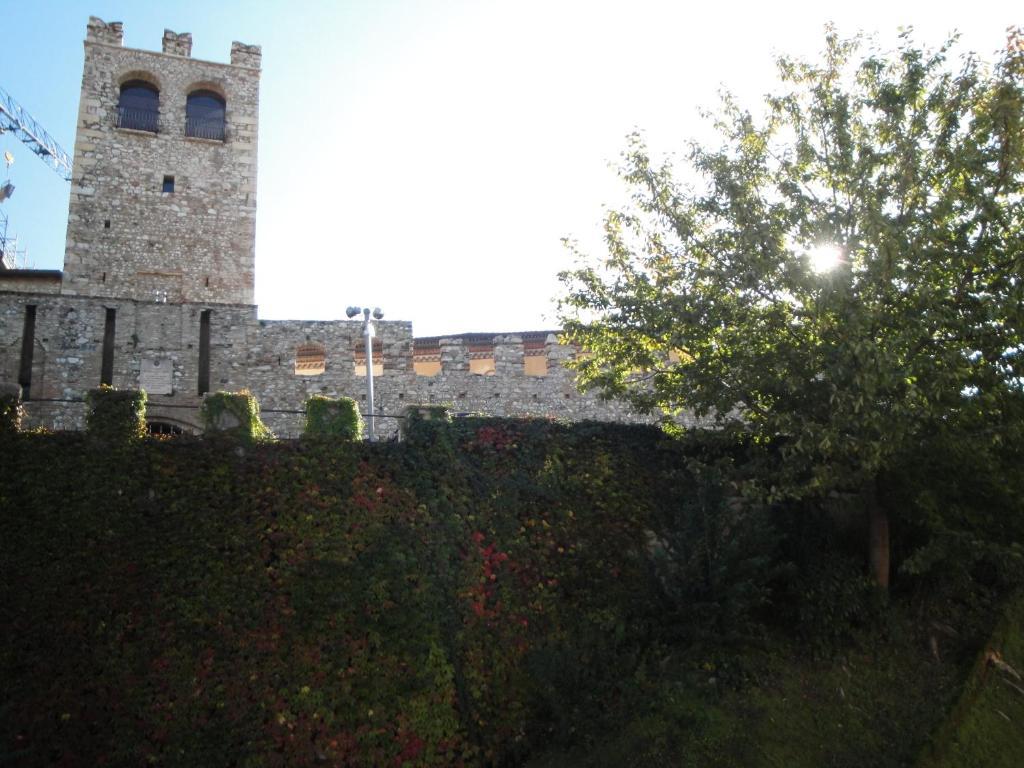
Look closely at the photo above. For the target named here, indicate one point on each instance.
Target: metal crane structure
(15, 119)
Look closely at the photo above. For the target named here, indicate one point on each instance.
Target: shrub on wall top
(235, 415)
(335, 418)
(423, 420)
(116, 414)
(11, 410)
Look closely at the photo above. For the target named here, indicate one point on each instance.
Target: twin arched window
(138, 108)
(204, 115)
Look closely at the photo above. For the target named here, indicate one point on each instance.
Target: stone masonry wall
(67, 356)
(126, 236)
(259, 355)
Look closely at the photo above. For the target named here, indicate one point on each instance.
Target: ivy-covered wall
(444, 601)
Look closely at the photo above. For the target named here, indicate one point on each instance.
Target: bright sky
(427, 156)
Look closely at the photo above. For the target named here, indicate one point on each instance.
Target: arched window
(138, 107)
(204, 115)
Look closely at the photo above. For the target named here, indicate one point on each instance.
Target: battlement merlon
(174, 43)
(177, 43)
(99, 31)
(243, 55)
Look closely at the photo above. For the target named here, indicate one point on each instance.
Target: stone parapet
(156, 346)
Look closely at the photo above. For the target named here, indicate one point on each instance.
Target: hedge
(482, 592)
(298, 604)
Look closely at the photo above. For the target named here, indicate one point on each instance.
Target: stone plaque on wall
(157, 376)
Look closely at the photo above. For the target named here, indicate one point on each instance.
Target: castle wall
(148, 272)
(128, 237)
(156, 345)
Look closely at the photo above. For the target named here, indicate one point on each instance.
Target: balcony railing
(205, 128)
(138, 119)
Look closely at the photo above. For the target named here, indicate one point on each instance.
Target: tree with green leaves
(837, 280)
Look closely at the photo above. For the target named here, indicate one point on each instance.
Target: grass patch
(876, 702)
(987, 725)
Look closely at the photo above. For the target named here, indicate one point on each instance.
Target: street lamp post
(368, 334)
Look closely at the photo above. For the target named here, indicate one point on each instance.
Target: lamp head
(352, 311)
(378, 313)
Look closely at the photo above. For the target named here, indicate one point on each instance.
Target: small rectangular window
(106, 223)
(107, 367)
(168, 184)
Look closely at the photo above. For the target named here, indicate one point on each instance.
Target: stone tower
(163, 197)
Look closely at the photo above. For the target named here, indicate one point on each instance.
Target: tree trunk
(878, 536)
